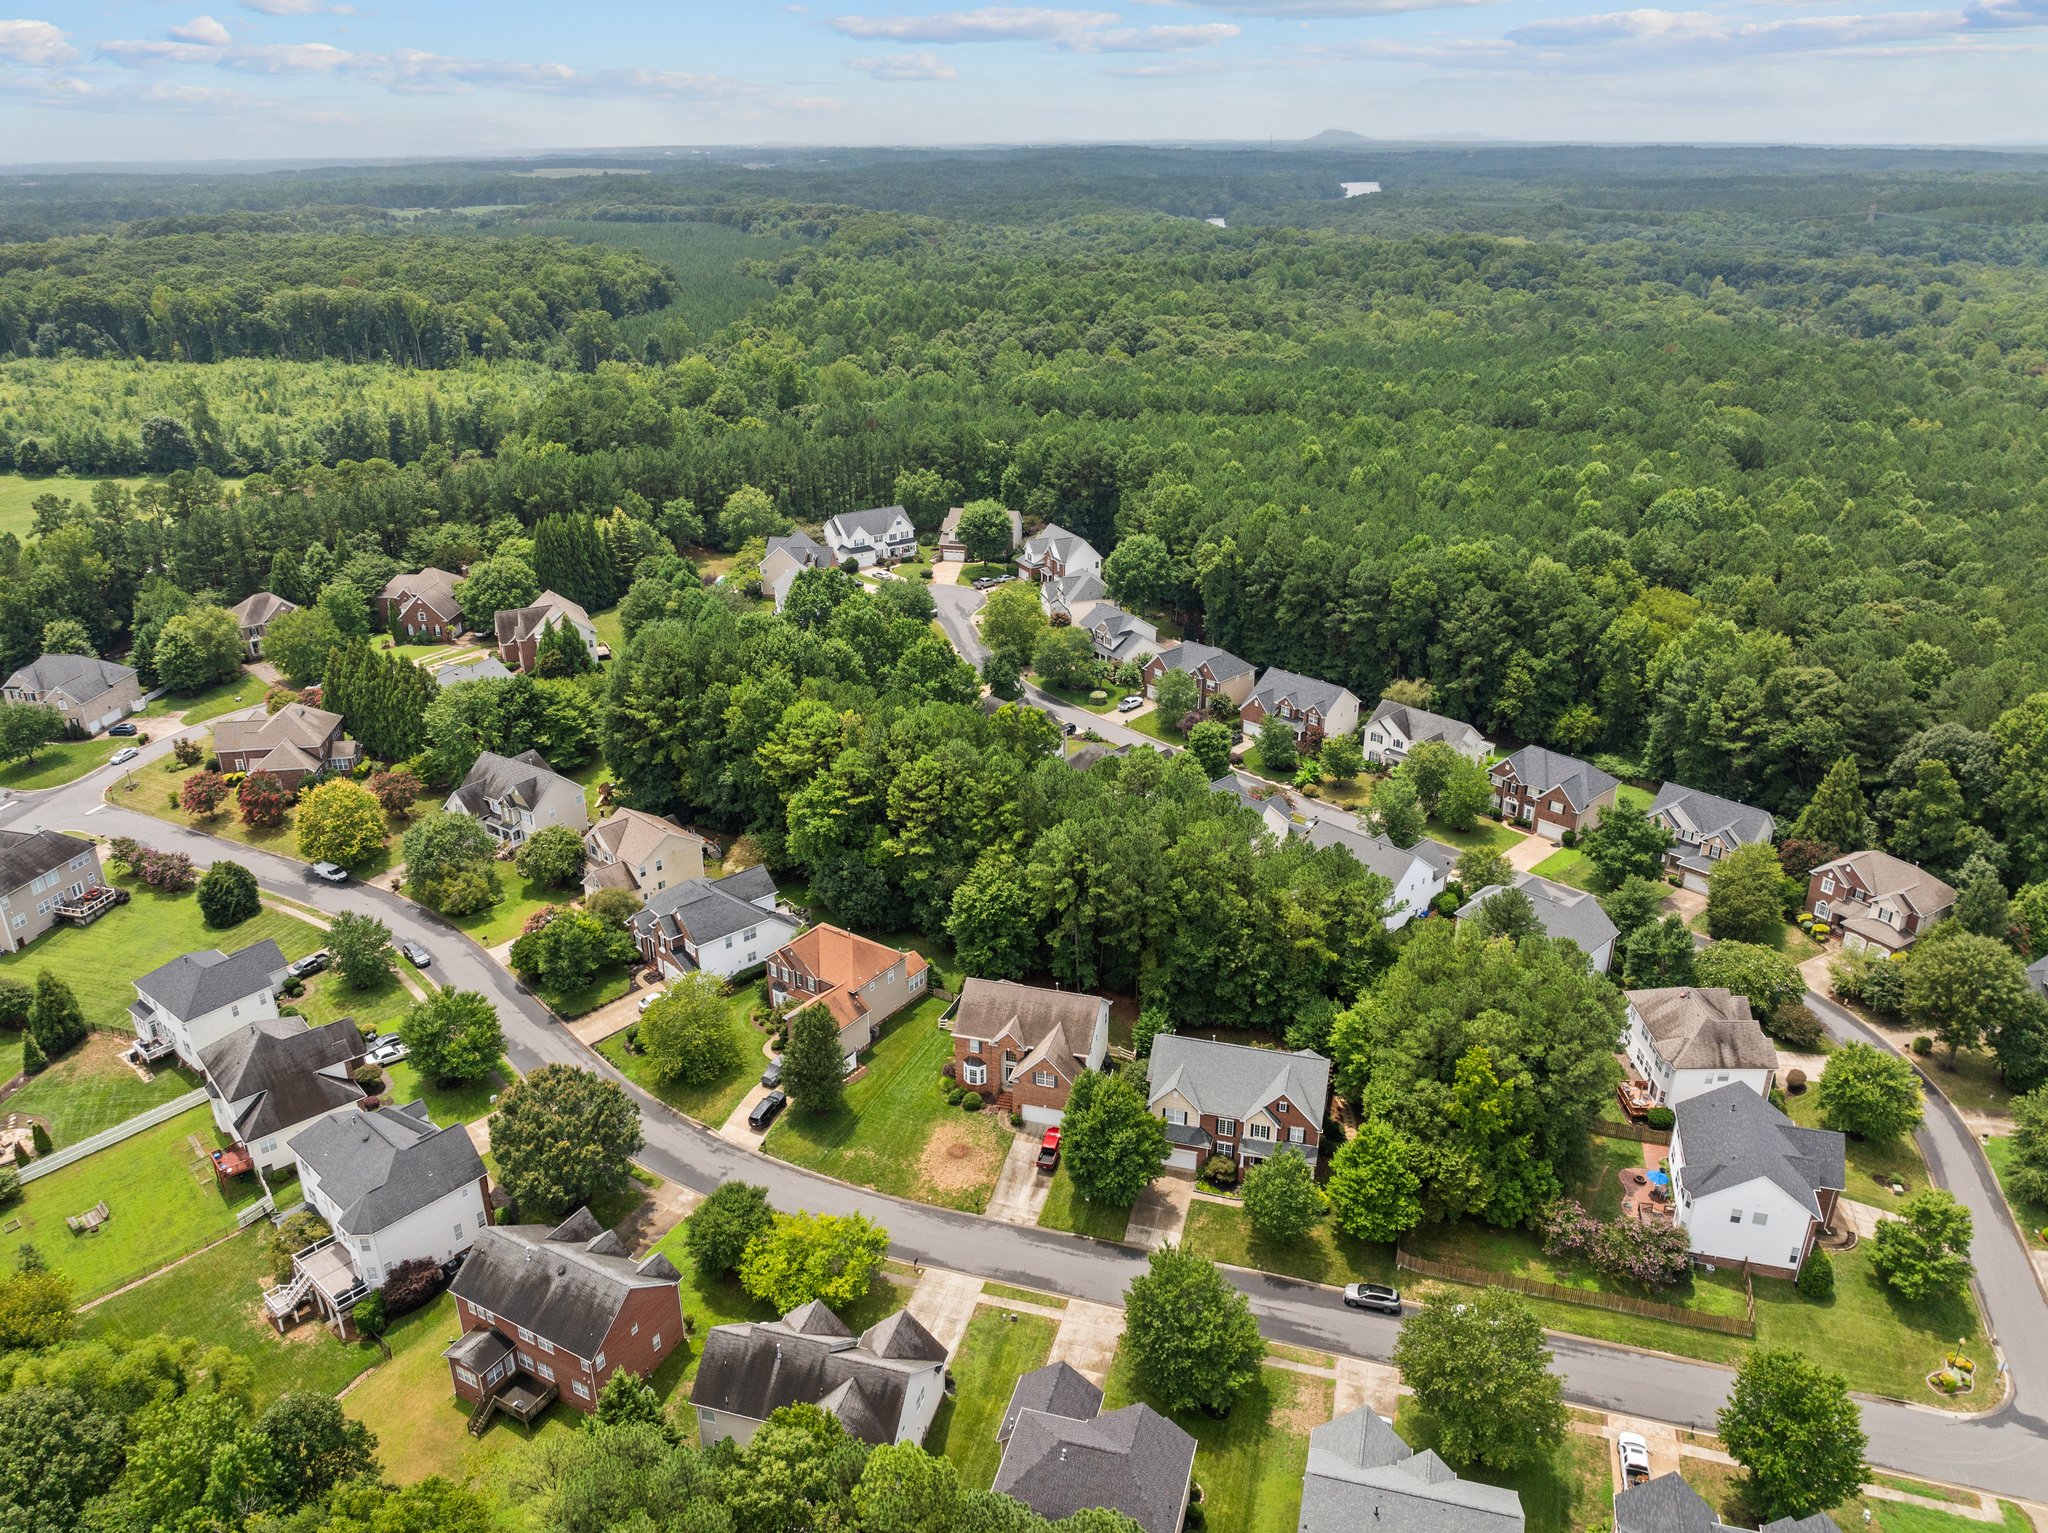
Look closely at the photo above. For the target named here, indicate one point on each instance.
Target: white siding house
(1686, 1041)
(196, 1000)
(1748, 1184)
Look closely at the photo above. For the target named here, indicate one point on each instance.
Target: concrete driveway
(1531, 850)
(1020, 1188)
(1087, 1339)
(1160, 1213)
(737, 1129)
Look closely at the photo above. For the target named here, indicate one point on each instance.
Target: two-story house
(1359, 1462)
(861, 982)
(420, 607)
(1239, 1102)
(520, 629)
(1668, 1504)
(1705, 828)
(89, 692)
(1024, 1046)
(39, 869)
(1056, 552)
(1316, 709)
(1877, 900)
(254, 614)
(1118, 637)
(952, 550)
(1064, 598)
(786, 556)
(1395, 729)
(1684, 1041)
(884, 1386)
(1419, 873)
(1280, 813)
(514, 796)
(1750, 1185)
(884, 535)
(276, 1076)
(1563, 912)
(1217, 672)
(555, 1312)
(723, 926)
(393, 1189)
(631, 849)
(1551, 792)
(1063, 1454)
(197, 999)
(292, 744)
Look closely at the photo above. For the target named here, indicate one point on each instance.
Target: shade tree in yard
(228, 895)
(685, 1036)
(362, 949)
(1112, 1144)
(1396, 810)
(1279, 754)
(1012, 622)
(1209, 743)
(1177, 694)
(553, 857)
(1065, 657)
(1766, 979)
(562, 1136)
(1792, 1426)
(1626, 843)
(1964, 989)
(1374, 1188)
(1869, 1093)
(453, 1035)
(448, 863)
(2029, 1175)
(298, 644)
(571, 950)
(985, 530)
(1924, 1253)
(1280, 1197)
(26, 728)
(1480, 1369)
(814, 1062)
(1192, 1338)
(340, 822)
(1746, 895)
(718, 1233)
(803, 1256)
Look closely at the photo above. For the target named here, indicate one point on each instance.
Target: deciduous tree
(1765, 977)
(362, 949)
(553, 857)
(453, 1035)
(1924, 1253)
(1791, 1424)
(1963, 988)
(801, 1257)
(1113, 1145)
(202, 794)
(1280, 1197)
(725, 1224)
(1746, 895)
(562, 1136)
(263, 799)
(686, 1035)
(1373, 1184)
(985, 530)
(1869, 1093)
(228, 895)
(340, 822)
(1626, 843)
(1480, 1370)
(1193, 1341)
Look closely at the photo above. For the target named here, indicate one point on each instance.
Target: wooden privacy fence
(1589, 1298)
(1642, 1133)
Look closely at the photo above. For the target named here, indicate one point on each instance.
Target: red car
(1049, 1149)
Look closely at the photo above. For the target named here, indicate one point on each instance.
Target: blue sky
(143, 79)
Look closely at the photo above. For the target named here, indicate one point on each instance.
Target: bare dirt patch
(957, 1159)
(1310, 1408)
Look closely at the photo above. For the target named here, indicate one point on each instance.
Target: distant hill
(1338, 136)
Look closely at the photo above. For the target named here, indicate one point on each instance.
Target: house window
(600, 1359)
(525, 1334)
(974, 1045)
(1759, 1218)
(1735, 1217)
(1827, 884)
(1297, 1136)
(1258, 1130)
(657, 1341)
(1226, 1128)
(582, 1389)
(1176, 1117)
(1042, 1078)
(458, 1231)
(544, 1371)
(975, 1073)
(465, 1375)
(480, 1219)
(636, 1329)
(546, 1346)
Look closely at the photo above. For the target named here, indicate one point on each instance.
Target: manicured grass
(217, 1299)
(592, 776)
(59, 762)
(1569, 1489)
(1023, 1295)
(1871, 1166)
(329, 998)
(971, 572)
(1628, 796)
(1152, 723)
(602, 991)
(239, 691)
(1722, 1486)
(451, 1101)
(611, 629)
(999, 1348)
(1484, 833)
(20, 492)
(1971, 1080)
(712, 1103)
(162, 1203)
(1324, 1255)
(518, 898)
(2031, 1217)
(895, 1132)
(1249, 1464)
(1077, 697)
(101, 961)
(1066, 1209)
(90, 1089)
(1568, 865)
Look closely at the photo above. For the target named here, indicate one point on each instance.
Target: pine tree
(55, 1022)
(1836, 814)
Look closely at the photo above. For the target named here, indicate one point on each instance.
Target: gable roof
(294, 724)
(477, 668)
(1304, 692)
(515, 625)
(193, 984)
(949, 529)
(1560, 910)
(1053, 1021)
(1234, 1080)
(1074, 591)
(80, 677)
(26, 855)
(260, 607)
(525, 779)
(566, 1283)
(631, 835)
(800, 546)
(1056, 541)
(1115, 629)
(702, 909)
(873, 522)
(1731, 1136)
(1391, 862)
(293, 1072)
(435, 587)
(1707, 814)
(1057, 1389)
(1703, 1029)
(1132, 1461)
(1190, 657)
(1419, 724)
(380, 1166)
(1664, 1505)
(809, 1357)
(1361, 1474)
(1542, 771)
(845, 961)
(1881, 873)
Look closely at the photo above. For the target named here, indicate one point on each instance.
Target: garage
(1182, 1158)
(1697, 882)
(1042, 1117)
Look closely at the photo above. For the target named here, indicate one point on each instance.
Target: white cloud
(1148, 39)
(922, 65)
(295, 8)
(990, 24)
(37, 44)
(202, 29)
(1310, 10)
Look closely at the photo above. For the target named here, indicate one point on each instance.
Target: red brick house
(1549, 792)
(421, 607)
(1876, 900)
(1242, 1103)
(1215, 670)
(292, 744)
(1316, 709)
(1025, 1046)
(554, 1313)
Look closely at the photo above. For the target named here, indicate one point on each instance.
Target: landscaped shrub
(1797, 1027)
(973, 1102)
(1660, 1118)
(1220, 1171)
(1570, 839)
(1795, 1081)
(953, 1096)
(165, 872)
(410, 1285)
(369, 1314)
(41, 1136)
(370, 1078)
(1652, 1255)
(1923, 1045)
(10, 1186)
(292, 1237)
(1817, 1277)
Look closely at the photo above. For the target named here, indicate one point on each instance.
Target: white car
(122, 756)
(332, 872)
(387, 1051)
(1130, 704)
(1635, 1458)
(651, 997)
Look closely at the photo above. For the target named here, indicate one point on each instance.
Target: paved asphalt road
(2005, 1451)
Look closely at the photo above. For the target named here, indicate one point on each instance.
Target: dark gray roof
(525, 778)
(380, 1166)
(1055, 539)
(293, 1072)
(1077, 589)
(566, 1283)
(1541, 770)
(1730, 1136)
(901, 1335)
(748, 884)
(1362, 1475)
(480, 668)
(1132, 1461)
(80, 676)
(802, 547)
(1664, 1505)
(1303, 691)
(1379, 854)
(1057, 1389)
(874, 522)
(704, 909)
(193, 984)
(26, 855)
(1116, 630)
(1191, 657)
(1233, 1080)
(1419, 724)
(1819, 1522)
(810, 1358)
(261, 607)
(1706, 814)
(1560, 910)
(478, 1350)
(2037, 972)
(1703, 1029)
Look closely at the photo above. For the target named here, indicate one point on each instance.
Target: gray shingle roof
(26, 855)
(1232, 1080)
(1703, 1029)
(1730, 1135)
(1419, 724)
(702, 909)
(802, 547)
(526, 778)
(514, 625)
(1115, 630)
(1057, 1389)
(1379, 854)
(873, 522)
(1132, 1461)
(1189, 657)
(2037, 971)
(79, 676)
(809, 1357)
(1076, 590)
(1664, 1505)
(261, 607)
(1278, 686)
(1362, 1475)
(1882, 873)
(380, 1166)
(566, 1283)
(1541, 770)
(1707, 815)
(435, 587)
(1560, 910)
(193, 984)
(293, 1071)
(480, 668)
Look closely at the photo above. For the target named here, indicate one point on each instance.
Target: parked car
(1635, 1458)
(651, 997)
(1049, 1149)
(124, 755)
(1130, 704)
(122, 729)
(415, 954)
(765, 1110)
(387, 1051)
(1070, 728)
(1377, 1297)
(332, 872)
(772, 1076)
(311, 964)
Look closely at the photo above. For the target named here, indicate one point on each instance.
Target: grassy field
(895, 1132)
(518, 898)
(712, 1103)
(1249, 1464)
(89, 1089)
(162, 1203)
(1568, 866)
(1484, 833)
(999, 1348)
(1871, 1166)
(328, 998)
(1066, 1209)
(20, 492)
(1569, 1490)
(455, 1102)
(101, 961)
(1722, 1487)
(2031, 1217)
(242, 691)
(1223, 1234)
(59, 762)
(1078, 697)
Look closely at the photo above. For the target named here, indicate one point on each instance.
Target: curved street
(2004, 1451)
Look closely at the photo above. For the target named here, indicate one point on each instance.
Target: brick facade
(646, 1333)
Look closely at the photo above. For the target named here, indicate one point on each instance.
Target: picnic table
(89, 1222)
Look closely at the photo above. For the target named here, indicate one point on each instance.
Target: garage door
(1550, 830)
(1697, 882)
(1181, 1160)
(1044, 1117)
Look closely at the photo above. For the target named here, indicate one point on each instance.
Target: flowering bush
(1652, 1255)
(539, 918)
(165, 872)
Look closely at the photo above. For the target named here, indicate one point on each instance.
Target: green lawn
(1484, 833)
(60, 762)
(451, 1102)
(711, 1104)
(1077, 697)
(1568, 865)
(1150, 723)
(20, 492)
(999, 1348)
(1971, 1080)
(149, 790)
(329, 998)
(240, 691)
(518, 898)
(611, 629)
(1249, 1465)
(1871, 1166)
(1066, 1209)
(1722, 1487)
(162, 1203)
(89, 1089)
(1223, 1234)
(101, 961)
(1628, 796)
(217, 1299)
(1023, 1295)
(2031, 1217)
(1570, 1489)
(895, 1132)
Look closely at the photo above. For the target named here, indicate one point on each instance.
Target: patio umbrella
(1659, 1179)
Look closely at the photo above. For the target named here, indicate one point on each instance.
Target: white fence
(57, 1160)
